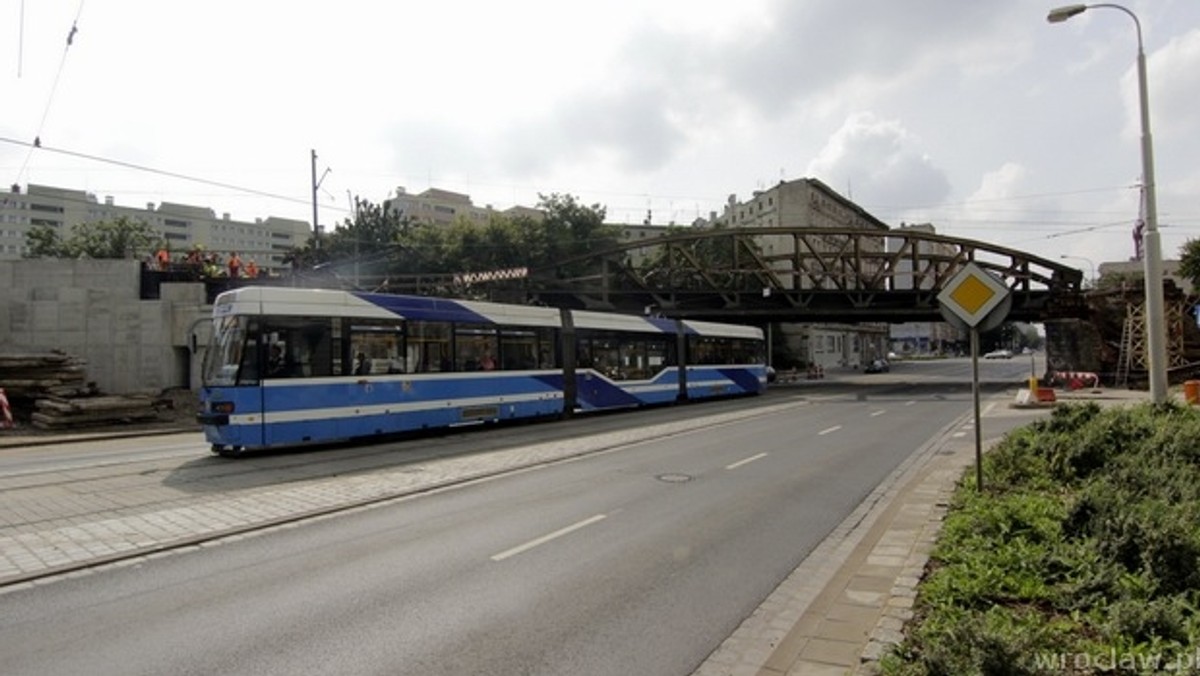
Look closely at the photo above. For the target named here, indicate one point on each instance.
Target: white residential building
(181, 226)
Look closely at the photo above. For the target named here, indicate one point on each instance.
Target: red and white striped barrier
(1076, 380)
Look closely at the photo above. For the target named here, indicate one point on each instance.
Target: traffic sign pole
(975, 398)
(975, 300)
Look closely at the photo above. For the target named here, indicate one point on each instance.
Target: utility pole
(316, 228)
(316, 184)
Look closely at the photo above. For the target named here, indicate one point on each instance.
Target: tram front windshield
(226, 352)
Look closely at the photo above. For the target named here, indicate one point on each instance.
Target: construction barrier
(1191, 391)
(6, 419)
(1076, 380)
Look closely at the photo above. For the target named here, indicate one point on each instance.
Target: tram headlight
(225, 407)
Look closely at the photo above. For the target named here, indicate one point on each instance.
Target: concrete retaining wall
(92, 309)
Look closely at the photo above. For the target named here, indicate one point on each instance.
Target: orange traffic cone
(6, 419)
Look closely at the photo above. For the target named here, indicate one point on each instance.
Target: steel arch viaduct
(793, 275)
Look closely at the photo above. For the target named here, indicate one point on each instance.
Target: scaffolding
(1132, 355)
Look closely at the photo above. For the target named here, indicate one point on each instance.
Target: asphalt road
(636, 560)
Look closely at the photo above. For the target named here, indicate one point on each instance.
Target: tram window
(659, 354)
(624, 356)
(548, 356)
(748, 352)
(606, 357)
(709, 350)
(475, 348)
(376, 347)
(518, 349)
(583, 354)
(634, 364)
(248, 371)
(300, 347)
(428, 347)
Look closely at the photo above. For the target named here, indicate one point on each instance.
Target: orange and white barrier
(1076, 380)
(6, 419)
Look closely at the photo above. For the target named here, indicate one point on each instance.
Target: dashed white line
(910, 402)
(519, 549)
(829, 430)
(739, 463)
(879, 412)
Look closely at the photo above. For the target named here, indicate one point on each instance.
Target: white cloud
(880, 163)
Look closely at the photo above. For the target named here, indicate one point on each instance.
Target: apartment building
(920, 338)
(809, 203)
(182, 226)
(443, 207)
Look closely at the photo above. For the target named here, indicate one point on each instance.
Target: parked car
(998, 354)
(877, 366)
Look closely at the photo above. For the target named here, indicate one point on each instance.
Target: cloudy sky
(979, 117)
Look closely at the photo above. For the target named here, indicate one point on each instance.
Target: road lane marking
(879, 412)
(739, 463)
(828, 430)
(910, 402)
(519, 549)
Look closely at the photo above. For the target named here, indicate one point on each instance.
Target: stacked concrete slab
(92, 309)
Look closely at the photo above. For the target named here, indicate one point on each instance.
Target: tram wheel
(228, 451)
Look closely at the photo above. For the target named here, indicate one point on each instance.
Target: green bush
(1086, 542)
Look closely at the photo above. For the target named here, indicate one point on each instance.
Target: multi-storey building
(181, 226)
(809, 203)
(920, 337)
(443, 207)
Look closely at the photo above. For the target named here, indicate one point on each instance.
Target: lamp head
(1061, 14)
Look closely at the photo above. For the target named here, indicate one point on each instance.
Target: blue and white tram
(290, 367)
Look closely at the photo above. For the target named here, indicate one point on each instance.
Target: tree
(120, 238)
(393, 245)
(570, 230)
(1189, 262)
(371, 233)
(43, 241)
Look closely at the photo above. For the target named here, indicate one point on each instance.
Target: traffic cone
(6, 419)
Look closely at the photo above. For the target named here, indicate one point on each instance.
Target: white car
(998, 354)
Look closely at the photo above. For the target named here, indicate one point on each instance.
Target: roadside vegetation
(1082, 554)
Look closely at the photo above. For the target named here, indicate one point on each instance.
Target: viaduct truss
(822, 274)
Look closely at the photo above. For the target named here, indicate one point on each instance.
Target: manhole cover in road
(674, 478)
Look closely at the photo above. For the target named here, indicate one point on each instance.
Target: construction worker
(163, 257)
(251, 269)
(235, 265)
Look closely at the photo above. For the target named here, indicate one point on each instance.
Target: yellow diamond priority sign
(972, 294)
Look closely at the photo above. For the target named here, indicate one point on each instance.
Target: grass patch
(1082, 554)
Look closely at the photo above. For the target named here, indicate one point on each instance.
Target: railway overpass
(746, 275)
(759, 275)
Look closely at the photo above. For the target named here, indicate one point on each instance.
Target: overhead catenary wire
(160, 172)
(37, 136)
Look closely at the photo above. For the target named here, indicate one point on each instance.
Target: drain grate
(674, 478)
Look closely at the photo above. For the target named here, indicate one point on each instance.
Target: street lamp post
(1156, 339)
(1091, 265)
